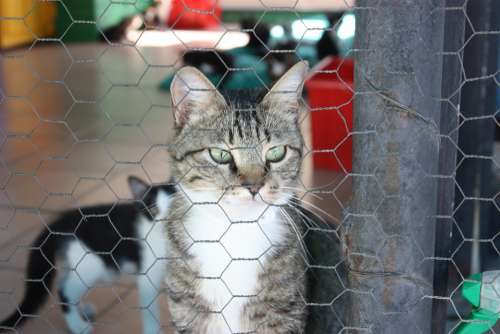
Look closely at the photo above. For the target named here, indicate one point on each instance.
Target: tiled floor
(75, 121)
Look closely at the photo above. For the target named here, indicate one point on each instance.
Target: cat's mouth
(243, 208)
(264, 197)
(243, 199)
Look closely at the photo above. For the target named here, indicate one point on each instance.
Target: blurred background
(84, 103)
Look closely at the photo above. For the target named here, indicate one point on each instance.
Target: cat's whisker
(315, 207)
(324, 186)
(297, 210)
(323, 229)
(306, 192)
(327, 225)
(303, 207)
(308, 219)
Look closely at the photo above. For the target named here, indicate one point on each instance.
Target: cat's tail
(40, 274)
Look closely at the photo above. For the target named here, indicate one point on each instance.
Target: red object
(330, 95)
(194, 14)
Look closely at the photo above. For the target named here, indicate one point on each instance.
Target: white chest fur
(229, 257)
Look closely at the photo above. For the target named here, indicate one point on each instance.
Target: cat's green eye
(276, 154)
(220, 156)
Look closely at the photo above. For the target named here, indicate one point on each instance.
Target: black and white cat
(97, 244)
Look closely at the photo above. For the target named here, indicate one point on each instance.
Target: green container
(79, 20)
(76, 20)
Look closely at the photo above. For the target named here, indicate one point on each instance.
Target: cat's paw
(88, 312)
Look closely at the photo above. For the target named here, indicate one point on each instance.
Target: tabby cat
(238, 264)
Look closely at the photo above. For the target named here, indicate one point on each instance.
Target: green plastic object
(471, 290)
(81, 10)
(481, 293)
(93, 14)
(109, 14)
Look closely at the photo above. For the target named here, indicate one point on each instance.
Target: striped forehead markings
(244, 122)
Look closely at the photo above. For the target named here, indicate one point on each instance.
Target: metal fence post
(391, 221)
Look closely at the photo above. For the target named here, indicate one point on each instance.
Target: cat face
(243, 149)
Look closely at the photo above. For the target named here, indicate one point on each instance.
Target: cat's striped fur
(238, 263)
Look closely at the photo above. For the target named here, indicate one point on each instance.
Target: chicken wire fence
(401, 231)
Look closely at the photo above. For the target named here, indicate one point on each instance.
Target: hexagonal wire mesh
(79, 118)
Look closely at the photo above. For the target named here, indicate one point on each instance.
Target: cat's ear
(138, 187)
(287, 91)
(193, 96)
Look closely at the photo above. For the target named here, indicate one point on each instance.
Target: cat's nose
(252, 188)
(252, 178)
